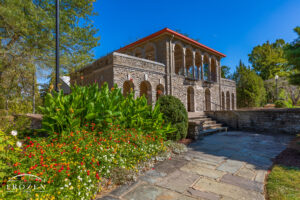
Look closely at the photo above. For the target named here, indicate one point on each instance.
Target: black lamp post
(276, 80)
(57, 46)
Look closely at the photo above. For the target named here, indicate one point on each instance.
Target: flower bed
(73, 167)
(77, 155)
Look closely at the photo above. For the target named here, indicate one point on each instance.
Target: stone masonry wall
(181, 85)
(138, 70)
(229, 86)
(264, 120)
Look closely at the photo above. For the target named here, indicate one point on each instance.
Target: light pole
(276, 80)
(57, 47)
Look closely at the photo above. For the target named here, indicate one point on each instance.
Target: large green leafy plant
(65, 113)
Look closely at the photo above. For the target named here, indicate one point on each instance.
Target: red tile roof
(167, 30)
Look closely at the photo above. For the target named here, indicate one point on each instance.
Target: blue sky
(231, 27)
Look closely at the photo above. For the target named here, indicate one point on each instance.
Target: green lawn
(284, 183)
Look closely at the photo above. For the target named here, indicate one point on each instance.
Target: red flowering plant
(73, 166)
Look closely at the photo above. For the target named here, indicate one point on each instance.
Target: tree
(292, 52)
(268, 60)
(225, 71)
(250, 87)
(27, 32)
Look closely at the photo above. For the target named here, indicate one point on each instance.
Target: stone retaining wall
(261, 120)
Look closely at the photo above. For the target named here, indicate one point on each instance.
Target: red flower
(88, 172)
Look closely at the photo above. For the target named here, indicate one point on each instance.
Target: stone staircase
(200, 125)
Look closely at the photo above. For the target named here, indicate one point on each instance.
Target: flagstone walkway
(223, 166)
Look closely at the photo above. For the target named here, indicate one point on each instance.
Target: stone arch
(223, 101)
(150, 51)
(213, 70)
(232, 101)
(146, 90)
(128, 87)
(207, 100)
(190, 99)
(198, 61)
(227, 100)
(189, 62)
(206, 67)
(138, 52)
(159, 91)
(178, 58)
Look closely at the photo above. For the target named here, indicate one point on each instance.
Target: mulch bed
(290, 157)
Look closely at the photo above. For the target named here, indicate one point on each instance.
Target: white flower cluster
(14, 133)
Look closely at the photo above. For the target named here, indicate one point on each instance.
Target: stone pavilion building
(165, 63)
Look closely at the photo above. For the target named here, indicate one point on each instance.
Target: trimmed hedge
(176, 114)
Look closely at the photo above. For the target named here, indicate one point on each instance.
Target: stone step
(198, 117)
(212, 131)
(209, 122)
(200, 121)
(211, 126)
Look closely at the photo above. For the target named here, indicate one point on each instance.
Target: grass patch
(284, 183)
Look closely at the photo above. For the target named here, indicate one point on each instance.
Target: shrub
(283, 104)
(176, 114)
(280, 104)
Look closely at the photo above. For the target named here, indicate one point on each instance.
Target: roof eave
(167, 30)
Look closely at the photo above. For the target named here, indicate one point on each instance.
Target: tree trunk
(33, 92)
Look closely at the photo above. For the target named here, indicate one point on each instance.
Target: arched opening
(207, 100)
(189, 63)
(213, 69)
(206, 67)
(138, 53)
(198, 65)
(145, 90)
(232, 101)
(178, 57)
(128, 87)
(223, 101)
(190, 99)
(150, 52)
(159, 91)
(227, 101)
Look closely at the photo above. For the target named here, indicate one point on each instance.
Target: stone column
(219, 71)
(202, 67)
(209, 69)
(194, 75)
(183, 62)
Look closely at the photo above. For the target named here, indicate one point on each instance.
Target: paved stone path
(223, 166)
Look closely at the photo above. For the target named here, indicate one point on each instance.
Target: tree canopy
(293, 56)
(269, 60)
(27, 44)
(225, 71)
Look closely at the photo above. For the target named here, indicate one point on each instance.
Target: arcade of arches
(227, 101)
(192, 64)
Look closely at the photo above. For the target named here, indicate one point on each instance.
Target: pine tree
(27, 44)
(293, 56)
(250, 87)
